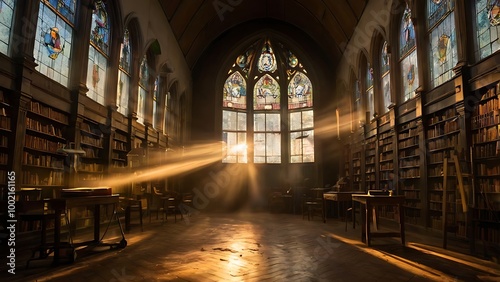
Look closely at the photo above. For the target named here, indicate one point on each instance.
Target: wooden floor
(262, 246)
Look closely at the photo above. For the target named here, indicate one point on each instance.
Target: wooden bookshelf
(370, 162)
(442, 138)
(356, 170)
(409, 169)
(92, 165)
(485, 131)
(5, 140)
(42, 162)
(347, 161)
(120, 147)
(386, 159)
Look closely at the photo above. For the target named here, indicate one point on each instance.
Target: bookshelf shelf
(92, 165)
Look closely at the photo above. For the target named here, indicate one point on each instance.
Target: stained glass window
(98, 53)
(357, 100)
(166, 113)
(369, 90)
(385, 70)
(441, 23)
(266, 94)
(235, 95)
(267, 59)
(299, 92)
(487, 16)
(143, 86)
(54, 39)
(408, 56)
(269, 93)
(123, 88)
(156, 100)
(6, 17)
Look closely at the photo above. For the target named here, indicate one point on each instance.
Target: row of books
(43, 127)
(447, 127)
(47, 111)
(36, 178)
(449, 113)
(487, 150)
(42, 144)
(96, 142)
(42, 160)
(484, 120)
(486, 134)
(443, 143)
(5, 122)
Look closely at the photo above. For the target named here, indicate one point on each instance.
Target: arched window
(370, 103)
(143, 89)
(385, 71)
(54, 38)
(166, 113)
(358, 108)
(156, 101)
(281, 91)
(443, 46)
(408, 56)
(6, 18)
(124, 70)
(98, 53)
(487, 27)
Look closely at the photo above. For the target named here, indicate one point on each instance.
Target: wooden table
(341, 197)
(368, 202)
(87, 201)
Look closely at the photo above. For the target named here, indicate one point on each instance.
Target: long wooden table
(87, 201)
(368, 203)
(341, 197)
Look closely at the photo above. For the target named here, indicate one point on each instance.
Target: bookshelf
(356, 170)
(5, 140)
(485, 135)
(409, 169)
(91, 165)
(42, 163)
(442, 139)
(370, 169)
(386, 154)
(119, 149)
(347, 161)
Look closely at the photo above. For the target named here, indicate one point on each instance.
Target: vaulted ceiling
(198, 23)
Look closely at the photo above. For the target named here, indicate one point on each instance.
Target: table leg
(57, 235)
(97, 225)
(368, 211)
(402, 223)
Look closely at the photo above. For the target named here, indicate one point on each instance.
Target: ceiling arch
(196, 24)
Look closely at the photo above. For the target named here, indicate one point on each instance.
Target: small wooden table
(341, 197)
(368, 202)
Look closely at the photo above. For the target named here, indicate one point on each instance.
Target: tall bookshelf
(485, 129)
(5, 139)
(91, 166)
(43, 163)
(386, 154)
(409, 170)
(347, 161)
(119, 148)
(370, 169)
(356, 169)
(442, 139)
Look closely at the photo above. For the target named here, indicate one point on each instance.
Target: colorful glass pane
(144, 73)
(6, 16)
(267, 59)
(235, 95)
(357, 96)
(156, 100)
(299, 92)
(487, 28)
(409, 72)
(436, 10)
(99, 33)
(141, 103)
(385, 68)
(123, 90)
(96, 75)
(125, 52)
(407, 37)
(52, 49)
(369, 76)
(267, 94)
(65, 7)
(370, 101)
(444, 51)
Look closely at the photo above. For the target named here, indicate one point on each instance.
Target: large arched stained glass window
(6, 18)
(143, 89)
(54, 39)
(487, 18)
(441, 28)
(156, 102)
(98, 53)
(257, 71)
(408, 56)
(124, 70)
(370, 102)
(385, 70)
